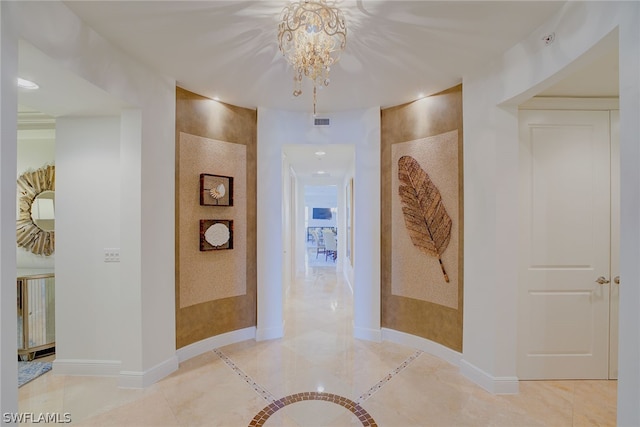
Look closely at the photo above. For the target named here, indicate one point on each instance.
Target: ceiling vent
(319, 121)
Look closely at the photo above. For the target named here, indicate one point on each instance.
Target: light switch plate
(111, 254)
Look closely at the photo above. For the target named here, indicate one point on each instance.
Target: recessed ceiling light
(26, 84)
(320, 153)
(321, 172)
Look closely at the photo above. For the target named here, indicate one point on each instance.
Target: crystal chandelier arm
(311, 36)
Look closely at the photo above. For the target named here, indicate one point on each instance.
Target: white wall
(300, 230)
(8, 171)
(146, 346)
(36, 149)
(279, 128)
(332, 222)
(288, 225)
(490, 187)
(320, 196)
(347, 267)
(629, 319)
(87, 221)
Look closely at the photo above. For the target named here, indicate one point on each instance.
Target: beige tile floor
(229, 386)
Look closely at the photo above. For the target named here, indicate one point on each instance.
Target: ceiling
(320, 164)
(397, 51)
(61, 93)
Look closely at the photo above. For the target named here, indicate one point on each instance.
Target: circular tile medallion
(348, 404)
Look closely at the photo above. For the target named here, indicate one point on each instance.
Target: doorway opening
(68, 119)
(321, 226)
(316, 182)
(569, 216)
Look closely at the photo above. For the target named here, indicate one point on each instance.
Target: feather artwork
(425, 216)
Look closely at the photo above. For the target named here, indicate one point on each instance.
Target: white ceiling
(396, 51)
(598, 79)
(328, 168)
(61, 93)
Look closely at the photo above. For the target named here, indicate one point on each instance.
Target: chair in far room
(331, 246)
(319, 242)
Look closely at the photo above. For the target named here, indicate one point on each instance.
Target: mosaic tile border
(346, 403)
(277, 404)
(367, 394)
(262, 392)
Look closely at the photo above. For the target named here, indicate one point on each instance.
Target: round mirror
(35, 226)
(42, 210)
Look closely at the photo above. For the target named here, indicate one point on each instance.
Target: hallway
(319, 359)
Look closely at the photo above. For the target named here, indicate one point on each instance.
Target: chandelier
(311, 37)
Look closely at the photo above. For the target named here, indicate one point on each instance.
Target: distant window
(321, 213)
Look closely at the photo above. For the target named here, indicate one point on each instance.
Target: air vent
(317, 121)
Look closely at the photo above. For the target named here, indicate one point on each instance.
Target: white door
(615, 244)
(565, 245)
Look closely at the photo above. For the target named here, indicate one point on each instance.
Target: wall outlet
(111, 254)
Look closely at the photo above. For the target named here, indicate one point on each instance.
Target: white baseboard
(264, 334)
(347, 271)
(419, 343)
(87, 367)
(208, 344)
(495, 385)
(139, 379)
(367, 334)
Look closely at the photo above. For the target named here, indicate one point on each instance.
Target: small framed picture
(216, 190)
(216, 234)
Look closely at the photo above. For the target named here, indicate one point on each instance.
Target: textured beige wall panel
(428, 117)
(415, 274)
(197, 316)
(217, 274)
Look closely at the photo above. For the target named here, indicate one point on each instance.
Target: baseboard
(367, 334)
(264, 334)
(495, 385)
(345, 274)
(86, 367)
(138, 379)
(426, 345)
(208, 344)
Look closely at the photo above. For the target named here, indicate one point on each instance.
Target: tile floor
(318, 375)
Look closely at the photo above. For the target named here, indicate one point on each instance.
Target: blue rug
(28, 371)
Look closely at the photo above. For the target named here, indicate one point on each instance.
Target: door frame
(590, 104)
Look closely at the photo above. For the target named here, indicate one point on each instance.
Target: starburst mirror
(35, 229)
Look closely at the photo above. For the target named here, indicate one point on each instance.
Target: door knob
(616, 280)
(601, 280)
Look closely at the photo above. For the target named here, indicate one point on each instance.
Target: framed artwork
(216, 190)
(425, 219)
(216, 234)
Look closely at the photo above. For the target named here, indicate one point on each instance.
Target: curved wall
(417, 126)
(214, 138)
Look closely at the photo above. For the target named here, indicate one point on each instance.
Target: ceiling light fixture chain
(311, 36)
